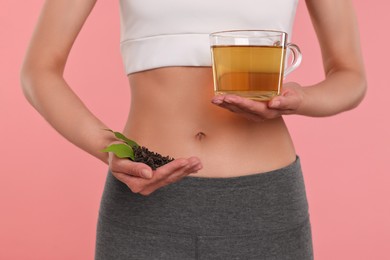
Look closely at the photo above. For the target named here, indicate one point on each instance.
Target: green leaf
(127, 140)
(120, 150)
(124, 138)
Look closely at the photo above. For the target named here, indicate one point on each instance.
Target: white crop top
(161, 33)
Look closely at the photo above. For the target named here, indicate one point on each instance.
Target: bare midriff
(171, 113)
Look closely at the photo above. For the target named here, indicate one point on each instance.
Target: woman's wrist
(339, 92)
(107, 138)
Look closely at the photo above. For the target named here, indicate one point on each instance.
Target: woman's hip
(266, 202)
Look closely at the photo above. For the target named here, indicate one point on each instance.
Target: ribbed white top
(160, 33)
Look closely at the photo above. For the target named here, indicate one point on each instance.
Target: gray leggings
(259, 216)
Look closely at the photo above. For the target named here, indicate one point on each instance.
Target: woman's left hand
(288, 102)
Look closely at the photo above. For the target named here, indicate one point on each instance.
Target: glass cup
(251, 63)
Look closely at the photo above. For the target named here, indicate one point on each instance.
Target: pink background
(50, 190)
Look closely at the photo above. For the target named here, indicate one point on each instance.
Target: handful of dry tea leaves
(133, 151)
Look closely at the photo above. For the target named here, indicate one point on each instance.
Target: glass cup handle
(296, 58)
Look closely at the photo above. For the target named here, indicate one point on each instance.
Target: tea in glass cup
(251, 63)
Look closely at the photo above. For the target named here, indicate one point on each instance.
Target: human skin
(174, 111)
(345, 84)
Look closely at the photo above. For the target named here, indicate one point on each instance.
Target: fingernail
(216, 101)
(228, 100)
(198, 168)
(275, 103)
(146, 174)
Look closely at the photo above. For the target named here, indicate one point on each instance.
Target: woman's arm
(42, 76)
(344, 85)
(46, 89)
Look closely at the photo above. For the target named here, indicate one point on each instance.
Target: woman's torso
(171, 113)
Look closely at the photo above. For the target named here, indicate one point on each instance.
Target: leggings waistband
(264, 202)
(250, 180)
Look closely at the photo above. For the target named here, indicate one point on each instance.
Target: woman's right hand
(140, 178)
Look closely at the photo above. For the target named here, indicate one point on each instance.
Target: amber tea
(250, 71)
(251, 63)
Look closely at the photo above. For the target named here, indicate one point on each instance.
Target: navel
(200, 136)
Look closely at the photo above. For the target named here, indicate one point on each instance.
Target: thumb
(129, 167)
(279, 102)
(287, 101)
(140, 170)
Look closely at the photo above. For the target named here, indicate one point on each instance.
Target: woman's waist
(226, 149)
(171, 113)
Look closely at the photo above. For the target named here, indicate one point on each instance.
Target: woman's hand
(141, 179)
(289, 101)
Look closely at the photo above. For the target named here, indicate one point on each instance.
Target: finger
(163, 176)
(140, 170)
(135, 184)
(250, 109)
(230, 102)
(178, 165)
(276, 103)
(129, 167)
(246, 104)
(161, 173)
(232, 108)
(286, 103)
(193, 166)
(168, 174)
(218, 99)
